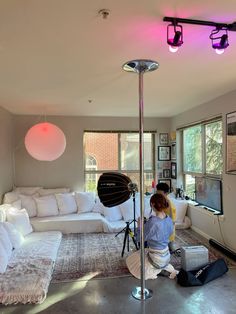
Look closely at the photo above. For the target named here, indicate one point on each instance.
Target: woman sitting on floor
(157, 231)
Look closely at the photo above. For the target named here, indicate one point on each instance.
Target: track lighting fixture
(219, 39)
(218, 36)
(174, 36)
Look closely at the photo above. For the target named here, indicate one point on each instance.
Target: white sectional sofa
(35, 232)
(80, 212)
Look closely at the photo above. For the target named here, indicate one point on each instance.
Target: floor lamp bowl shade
(45, 141)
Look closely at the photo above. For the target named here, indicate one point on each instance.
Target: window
(202, 153)
(119, 152)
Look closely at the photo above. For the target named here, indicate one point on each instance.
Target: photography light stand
(132, 187)
(140, 67)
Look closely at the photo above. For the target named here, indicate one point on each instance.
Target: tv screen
(208, 192)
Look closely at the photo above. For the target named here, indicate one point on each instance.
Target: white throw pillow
(3, 212)
(28, 190)
(20, 219)
(28, 202)
(5, 241)
(112, 213)
(46, 206)
(127, 211)
(10, 197)
(15, 236)
(3, 259)
(44, 192)
(85, 201)
(66, 203)
(16, 204)
(98, 206)
(181, 209)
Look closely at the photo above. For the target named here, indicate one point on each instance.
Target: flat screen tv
(208, 192)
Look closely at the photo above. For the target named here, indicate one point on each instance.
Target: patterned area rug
(98, 255)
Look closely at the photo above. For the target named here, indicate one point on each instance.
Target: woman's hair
(164, 187)
(159, 202)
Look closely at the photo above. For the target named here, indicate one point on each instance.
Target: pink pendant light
(45, 141)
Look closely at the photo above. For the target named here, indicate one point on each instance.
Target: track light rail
(176, 20)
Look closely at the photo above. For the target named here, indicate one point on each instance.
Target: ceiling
(61, 57)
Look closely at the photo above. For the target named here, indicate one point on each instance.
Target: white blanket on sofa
(29, 271)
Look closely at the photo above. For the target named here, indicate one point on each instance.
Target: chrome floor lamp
(141, 66)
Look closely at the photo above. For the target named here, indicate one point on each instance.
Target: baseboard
(223, 249)
(200, 232)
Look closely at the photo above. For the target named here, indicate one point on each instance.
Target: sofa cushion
(73, 223)
(15, 236)
(28, 202)
(66, 203)
(85, 201)
(46, 206)
(20, 219)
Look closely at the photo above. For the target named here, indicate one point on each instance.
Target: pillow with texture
(28, 190)
(181, 209)
(5, 241)
(98, 206)
(85, 201)
(15, 236)
(44, 192)
(66, 203)
(28, 202)
(20, 219)
(112, 213)
(3, 259)
(10, 197)
(46, 206)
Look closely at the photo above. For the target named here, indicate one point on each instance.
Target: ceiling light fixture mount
(104, 13)
(219, 36)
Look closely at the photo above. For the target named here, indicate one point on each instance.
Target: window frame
(119, 170)
(204, 172)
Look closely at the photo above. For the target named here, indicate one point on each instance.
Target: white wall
(6, 165)
(68, 170)
(200, 220)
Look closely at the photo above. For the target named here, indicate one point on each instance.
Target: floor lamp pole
(140, 67)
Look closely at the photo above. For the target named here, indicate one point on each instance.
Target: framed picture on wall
(163, 153)
(173, 151)
(173, 170)
(166, 173)
(231, 143)
(163, 138)
(167, 181)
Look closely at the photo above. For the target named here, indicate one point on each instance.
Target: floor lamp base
(136, 293)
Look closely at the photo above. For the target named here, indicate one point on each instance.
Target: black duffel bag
(202, 275)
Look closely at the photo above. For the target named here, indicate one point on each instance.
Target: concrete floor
(105, 296)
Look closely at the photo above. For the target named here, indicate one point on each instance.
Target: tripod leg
(125, 238)
(133, 238)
